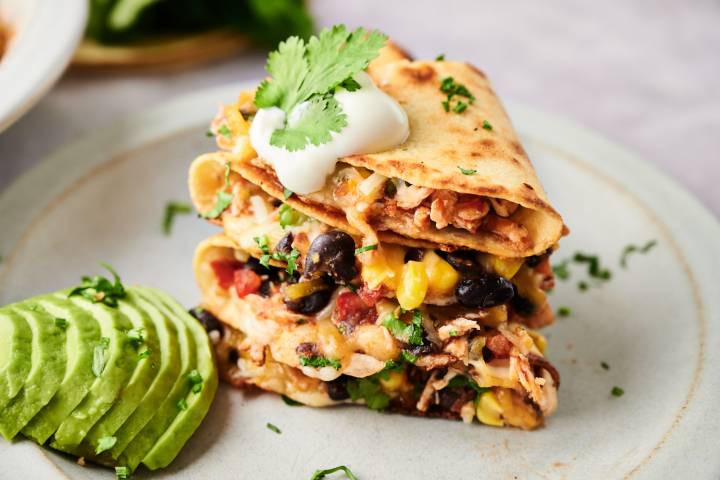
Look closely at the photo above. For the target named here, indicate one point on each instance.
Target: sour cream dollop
(375, 122)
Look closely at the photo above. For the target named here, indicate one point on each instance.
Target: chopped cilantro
(288, 216)
(617, 392)
(310, 72)
(263, 243)
(630, 249)
(463, 381)
(440, 57)
(453, 333)
(368, 389)
(486, 125)
(564, 311)
(209, 133)
(287, 193)
(350, 84)
(366, 248)
(104, 444)
(136, 337)
(408, 333)
(583, 286)
(409, 356)
(290, 258)
(320, 362)
(172, 209)
(593, 263)
(273, 428)
(561, 270)
(467, 171)
(122, 473)
(320, 474)
(101, 290)
(144, 354)
(182, 404)
(223, 198)
(225, 131)
(195, 380)
(290, 402)
(98, 364)
(452, 89)
(61, 323)
(605, 365)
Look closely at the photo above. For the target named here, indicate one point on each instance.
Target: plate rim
(19, 191)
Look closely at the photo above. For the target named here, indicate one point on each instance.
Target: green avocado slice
(168, 409)
(168, 372)
(16, 351)
(116, 365)
(147, 355)
(198, 403)
(46, 371)
(82, 332)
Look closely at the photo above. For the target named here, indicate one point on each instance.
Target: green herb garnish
(368, 389)
(453, 333)
(144, 354)
(583, 286)
(320, 474)
(617, 392)
(467, 171)
(310, 72)
(366, 248)
(290, 258)
(104, 444)
(223, 198)
(225, 131)
(182, 404)
(408, 356)
(172, 209)
(101, 290)
(288, 216)
(409, 333)
(320, 362)
(61, 323)
(486, 125)
(290, 402)
(195, 380)
(593, 263)
(561, 270)
(463, 381)
(136, 337)
(98, 364)
(263, 245)
(440, 57)
(273, 428)
(564, 311)
(605, 365)
(452, 89)
(209, 133)
(630, 249)
(122, 473)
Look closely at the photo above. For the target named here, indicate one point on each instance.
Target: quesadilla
(460, 180)
(321, 343)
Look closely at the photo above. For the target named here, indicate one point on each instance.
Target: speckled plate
(656, 323)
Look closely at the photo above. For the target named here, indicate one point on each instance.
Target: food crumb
(81, 461)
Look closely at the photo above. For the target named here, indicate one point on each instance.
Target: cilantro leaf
(273, 428)
(320, 474)
(172, 209)
(409, 333)
(368, 389)
(101, 290)
(463, 381)
(321, 116)
(290, 402)
(320, 362)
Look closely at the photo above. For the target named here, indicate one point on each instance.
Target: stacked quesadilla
(412, 278)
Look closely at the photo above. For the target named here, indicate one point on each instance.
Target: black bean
(233, 356)
(521, 305)
(312, 303)
(487, 354)
(285, 244)
(207, 319)
(414, 255)
(484, 291)
(461, 260)
(337, 389)
(333, 253)
(266, 288)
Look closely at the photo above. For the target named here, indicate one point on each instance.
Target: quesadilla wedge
(503, 288)
(461, 179)
(347, 346)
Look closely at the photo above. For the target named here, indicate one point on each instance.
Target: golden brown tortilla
(441, 143)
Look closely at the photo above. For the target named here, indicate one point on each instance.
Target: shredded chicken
(457, 328)
(514, 232)
(469, 213)
(424, 401)
(458, 348)
(421, 217)
(441, 208)
(503, 208)
(410, 196)
(435, 360)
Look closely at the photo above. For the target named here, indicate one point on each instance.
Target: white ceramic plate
(656, 324)
(44, 36)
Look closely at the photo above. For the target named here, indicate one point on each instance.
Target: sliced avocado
(168, 409)
(117, 363)
(147, 355)
(46, 371)
(198, 403)
(16, 351)
(82, 333)
(168, 372)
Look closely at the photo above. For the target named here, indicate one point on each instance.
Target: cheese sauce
(375, 122)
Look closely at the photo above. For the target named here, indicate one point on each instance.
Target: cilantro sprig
(311, 72)
(411, 333)
(317, 361)
(99, 289)
(320, 474)
(223, 199)
(453, 90)
(173, 209)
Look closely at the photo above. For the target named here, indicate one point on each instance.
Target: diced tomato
(351, 309)
(225, 270)
(371, 297)
(246, 282)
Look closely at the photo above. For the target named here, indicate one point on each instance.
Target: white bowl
(44, 35)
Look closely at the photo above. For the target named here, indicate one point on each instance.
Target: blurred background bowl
(43, 35)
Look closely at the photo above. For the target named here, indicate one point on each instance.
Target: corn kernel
(413, 285)
(442, 277)
(539, 339)
(235, 121)
(515, 411)
(394, 381)
(488, 410)
(527, 286)
(385, 267)
(505, 266)
(496, 315)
